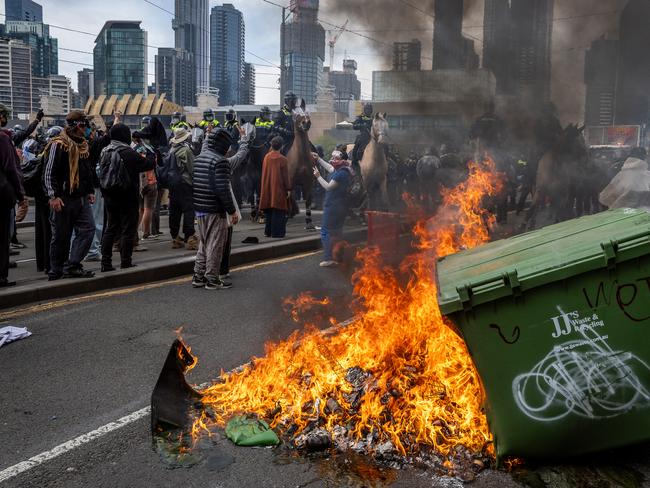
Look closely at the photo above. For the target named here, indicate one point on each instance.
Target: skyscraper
(407, 56)
(120, 59)
(26, 10)
(346, 84)
(16, 76)
(600, 78)
(498, 47)
(633, 94)
(227, 39)
(86, 84)
(176, 76)
(45, 49)
(448, 44)
(532, 24)
(303, 50)
(247, 95)
(191, 27)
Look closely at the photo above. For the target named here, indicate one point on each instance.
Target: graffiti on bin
(583, 377)
(626, 295)
(516, 334)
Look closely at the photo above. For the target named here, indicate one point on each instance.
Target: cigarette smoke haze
(395, 20)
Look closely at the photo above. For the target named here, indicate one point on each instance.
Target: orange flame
(416, 383)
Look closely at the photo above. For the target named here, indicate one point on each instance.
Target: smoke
(402, 20)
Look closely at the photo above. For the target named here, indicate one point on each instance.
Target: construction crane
(334, 38)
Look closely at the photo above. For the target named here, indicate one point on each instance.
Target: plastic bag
(247, 431)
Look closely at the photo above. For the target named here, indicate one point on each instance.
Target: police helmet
(208, 115)
(231, 115)
(18, 128)
(53, 131)
(290, 99)
(368, 109)
(145, 121)
(265, 111)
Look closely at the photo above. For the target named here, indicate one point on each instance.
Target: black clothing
(56, 174)
(181, 206)
(23, 135)
(42, 234)
(489, 129)
(224, 268)
(363, 124)
(547, 132)
(211, 179)
(5, 225)
(122, 217)
(283, 126)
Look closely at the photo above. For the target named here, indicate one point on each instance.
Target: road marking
(44, 307)
(72, 444)
(39, 459)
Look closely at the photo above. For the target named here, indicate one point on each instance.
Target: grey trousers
(212, 233)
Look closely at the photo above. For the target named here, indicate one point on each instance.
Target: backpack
(113, 175)
(33, 177)
(169, 174)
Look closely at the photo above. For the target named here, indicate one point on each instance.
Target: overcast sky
(571, 37)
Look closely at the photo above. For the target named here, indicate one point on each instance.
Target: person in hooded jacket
(122, 206)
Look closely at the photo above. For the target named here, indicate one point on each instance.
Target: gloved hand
(40, 115)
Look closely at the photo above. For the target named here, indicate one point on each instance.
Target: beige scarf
(75, 150)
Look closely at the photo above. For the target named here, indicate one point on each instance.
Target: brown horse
(374, 165)
(559, 177)
(301, 161)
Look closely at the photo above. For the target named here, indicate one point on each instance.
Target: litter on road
(10, 334)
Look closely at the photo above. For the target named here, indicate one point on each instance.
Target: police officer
(263, 126)
(178, 122)
(232, 125)
(284, 121)
(208, 120)
(488, 132)
(146, 120)
(363, 124)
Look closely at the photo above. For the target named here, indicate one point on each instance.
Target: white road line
(70, 445)
(46, 456)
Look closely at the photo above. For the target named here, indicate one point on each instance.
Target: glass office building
(120, 59)
(26, 10)
(227, 44)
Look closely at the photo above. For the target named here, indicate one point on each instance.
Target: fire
(399, 373)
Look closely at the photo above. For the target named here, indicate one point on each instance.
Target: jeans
(329, 237)
(77, 216)
(121, 226)
(181, 206)
(98, 215)
(276, 223)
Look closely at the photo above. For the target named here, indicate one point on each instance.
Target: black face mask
(4, 122)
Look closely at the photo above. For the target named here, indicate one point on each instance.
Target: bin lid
(512, 266)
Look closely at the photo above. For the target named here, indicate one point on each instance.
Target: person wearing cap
(12, 178)
(68, 177)
(214, 205)
(180, 197)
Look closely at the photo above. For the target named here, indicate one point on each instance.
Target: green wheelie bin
(557, 322)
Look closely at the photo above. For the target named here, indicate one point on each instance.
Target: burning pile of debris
(398, 383)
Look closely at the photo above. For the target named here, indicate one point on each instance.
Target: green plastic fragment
(250, 431)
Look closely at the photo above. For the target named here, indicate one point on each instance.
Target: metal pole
(283, 68)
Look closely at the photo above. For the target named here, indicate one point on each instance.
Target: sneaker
(93, 258)
(150, 237)
(328, 264)
(224, 277)
(158, 234)
(18, 245)
(192, 244)
(213, 284)
(140, 248)
(199, 281)
(178, 243)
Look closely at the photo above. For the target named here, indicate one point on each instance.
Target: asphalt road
(96, 360)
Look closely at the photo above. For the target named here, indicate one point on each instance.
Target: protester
(213, 203)
(121, 194)
(335, 208)
(68, 179)
(180, 196)
(11, 192)
(630, 188)
(276, 190)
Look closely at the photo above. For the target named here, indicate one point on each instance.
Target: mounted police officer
(208, 120)
(263, 126)
(178, 122)
(284, 121)
(488, 131)
(363, 124)
(232, 125)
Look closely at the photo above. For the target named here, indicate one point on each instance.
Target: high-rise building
(86, 84)
(346, 84)
(176, 76)
(498, 47)
(303, 51)
(191, 25)
(633, 93)
(26, 10)
(227, 40)
(407, 56)
(247, 95)
(120, 59)
(45, 49)
(448, 44)
(16, 76)
(600, 78)
(53, 94)
(532, 24)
